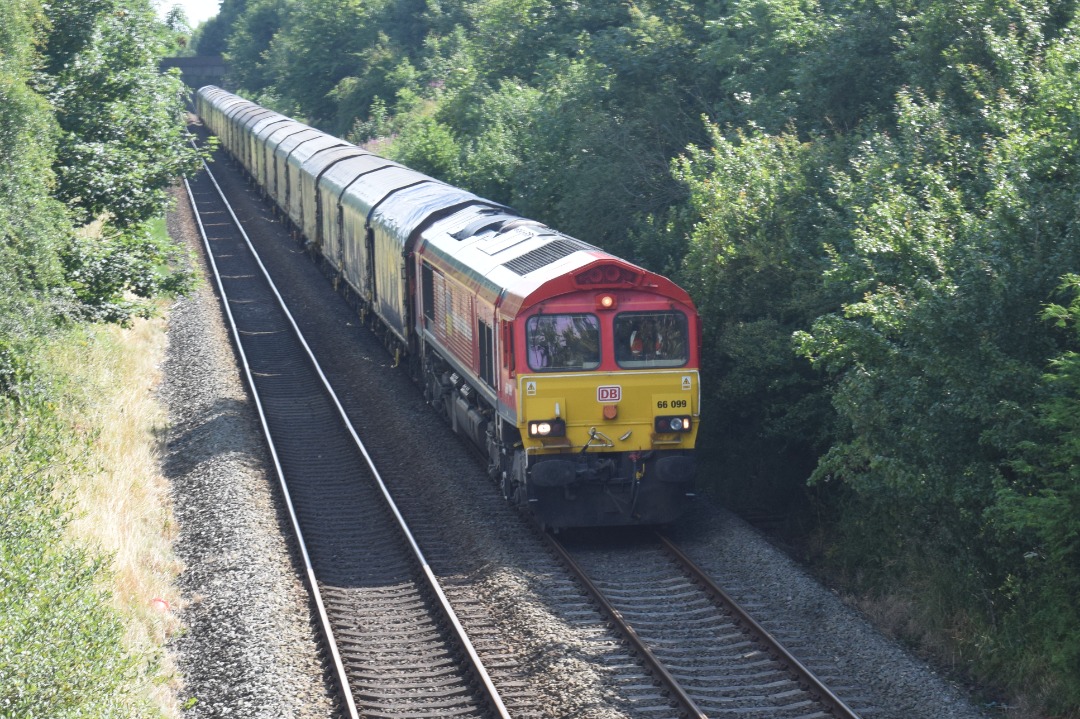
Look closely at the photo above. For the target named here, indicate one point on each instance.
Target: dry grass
(122, 505)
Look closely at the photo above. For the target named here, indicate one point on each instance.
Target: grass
(86, 567)
(121, 502)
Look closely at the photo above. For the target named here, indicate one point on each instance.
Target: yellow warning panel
(611, 411)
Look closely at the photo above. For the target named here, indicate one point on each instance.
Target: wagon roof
(320, 162)
(408, 209)
(280, 132)
(292, 140)
(378, 185)
(262, 114)
(230, 107)
(312, 146)
(344, 173)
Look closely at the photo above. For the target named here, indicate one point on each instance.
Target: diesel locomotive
(573, 371)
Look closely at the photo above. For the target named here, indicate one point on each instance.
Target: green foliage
(428, 146)
(60, 641)
(73, 24)
(754, 266)
(959, 228)
(211, 37)
(123, 142)
(32, 224)
(88, 130)
(826, 65)
(176, 33)
(246, 45)
(1039, 510)
(878, 205)
(108, 273)
(107, 147)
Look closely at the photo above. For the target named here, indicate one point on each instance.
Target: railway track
(395, 645)
(711, 655)
(396, 648)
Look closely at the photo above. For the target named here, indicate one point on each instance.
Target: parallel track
(713, 658)
(709, 660)
(395, 645)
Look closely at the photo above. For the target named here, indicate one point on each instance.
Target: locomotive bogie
(573, 371)
(608, 489)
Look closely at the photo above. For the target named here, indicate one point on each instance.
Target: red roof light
(607, 275)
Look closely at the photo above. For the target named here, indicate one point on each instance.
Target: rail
(480, 671)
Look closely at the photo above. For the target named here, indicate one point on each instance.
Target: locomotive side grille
(545, 255)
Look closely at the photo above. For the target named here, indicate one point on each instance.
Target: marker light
(547, 428)
(667, 425)
(607, 275)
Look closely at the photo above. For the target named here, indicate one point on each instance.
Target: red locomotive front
(578, 376)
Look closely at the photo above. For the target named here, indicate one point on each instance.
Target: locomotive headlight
(666, 425)
(547, 428)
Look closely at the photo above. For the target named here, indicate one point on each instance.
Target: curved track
(396, 646)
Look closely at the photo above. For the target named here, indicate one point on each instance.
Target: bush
(61, 653)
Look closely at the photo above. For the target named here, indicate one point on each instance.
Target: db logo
(610, 393)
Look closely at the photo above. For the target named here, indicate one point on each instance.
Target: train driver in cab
(652, 339)
(644, 339)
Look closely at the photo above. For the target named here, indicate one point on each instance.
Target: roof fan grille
(545, 255)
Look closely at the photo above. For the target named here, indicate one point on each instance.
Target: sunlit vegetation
(874, 204)
(91, 136)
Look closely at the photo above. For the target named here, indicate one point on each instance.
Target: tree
(122, 141)
(1040, 512)
(33, 225)
(753, 266)
(212, 36)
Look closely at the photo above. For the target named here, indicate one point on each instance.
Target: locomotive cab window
(651, 339)
(563, 342)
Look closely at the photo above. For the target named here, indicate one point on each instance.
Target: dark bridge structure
(199, 70)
